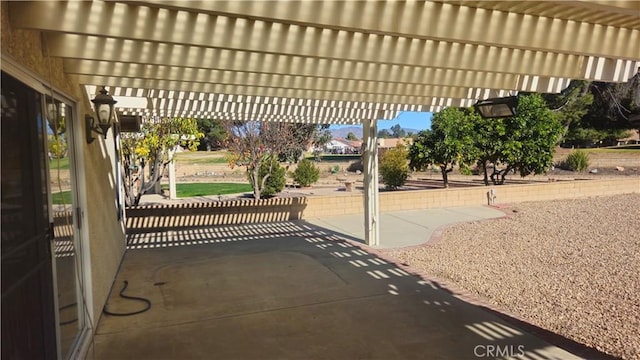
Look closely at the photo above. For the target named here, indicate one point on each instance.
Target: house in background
(384, 144)
(343, 146)
(390, 143)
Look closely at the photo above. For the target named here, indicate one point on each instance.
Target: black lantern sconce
(497, 107)
(103, 103)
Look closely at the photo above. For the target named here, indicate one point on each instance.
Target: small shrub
(465, 170)
(394, 167)
(306, 173)
(577, 160)
(276, 181)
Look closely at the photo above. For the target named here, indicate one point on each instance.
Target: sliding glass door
(42, 278)
(62, 185)
(28, 305)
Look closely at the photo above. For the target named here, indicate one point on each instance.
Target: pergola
(344, 62)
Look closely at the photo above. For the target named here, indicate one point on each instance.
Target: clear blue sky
(406, 119)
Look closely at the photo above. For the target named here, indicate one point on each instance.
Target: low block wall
(424, 199)
(142, 219)
(166, 217)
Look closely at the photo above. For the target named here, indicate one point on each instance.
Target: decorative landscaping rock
(554, 264)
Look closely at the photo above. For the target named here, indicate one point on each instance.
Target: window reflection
(61, 183)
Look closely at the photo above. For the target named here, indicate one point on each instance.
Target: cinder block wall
(167, 217)
(424, 199)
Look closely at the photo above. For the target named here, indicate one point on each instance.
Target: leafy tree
(596, 112)
(529, 140)
(571, 104)
(214, 132)
(351, 136)
(306, 173)
(384, 134)
(394, 167)
(57, 138)
(57, 146)
(449, 142)
(153, 147)
(614, 104)
(488, 138)
(397, 131)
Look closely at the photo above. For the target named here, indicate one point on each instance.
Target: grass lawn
(60, 198)
(337, 157)
(62, 164)
(622, 149)
(201, 157)
(204, 189)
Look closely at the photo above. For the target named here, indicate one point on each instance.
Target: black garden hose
(63, 323)
(122, 295)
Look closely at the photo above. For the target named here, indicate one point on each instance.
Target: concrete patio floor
(292, 290)
(409, 227)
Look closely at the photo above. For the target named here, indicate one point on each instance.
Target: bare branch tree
(251, 143)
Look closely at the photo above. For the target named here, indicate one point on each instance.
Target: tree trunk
(484, 170)
(445, 176)
(256, 182)
(136, 200)
(504, 174)
(494, 176)
(498, 177)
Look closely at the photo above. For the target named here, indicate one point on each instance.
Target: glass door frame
(80, 280)
(84, 290)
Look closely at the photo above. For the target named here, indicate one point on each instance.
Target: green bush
(394, 167)
(577, 160)
(306, 173)
(275, 182)
(465, 170)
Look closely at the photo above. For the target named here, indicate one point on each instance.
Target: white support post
(371, 201)
(172, 176)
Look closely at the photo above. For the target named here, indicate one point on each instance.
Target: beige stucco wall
(105, 232)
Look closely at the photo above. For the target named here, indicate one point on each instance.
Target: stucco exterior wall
(106, 239)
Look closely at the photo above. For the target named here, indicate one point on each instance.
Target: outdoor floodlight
(103, 103)
(497, 107)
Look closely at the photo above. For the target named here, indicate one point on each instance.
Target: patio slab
(291, 290)
(407, 228)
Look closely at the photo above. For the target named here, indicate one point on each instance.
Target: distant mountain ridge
(343, 132)
(357, 131)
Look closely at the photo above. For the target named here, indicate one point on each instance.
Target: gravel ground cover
(569, 266)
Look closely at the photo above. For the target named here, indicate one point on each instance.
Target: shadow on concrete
(153, 218)
(292, 290)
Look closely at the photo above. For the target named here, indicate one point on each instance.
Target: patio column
(371, 201)
(172, 176)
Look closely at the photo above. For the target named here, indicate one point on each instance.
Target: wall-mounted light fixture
(52, 112)
(103, 103)
(497, 107)
(53, 115)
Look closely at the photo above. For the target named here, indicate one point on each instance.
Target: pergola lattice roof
(332, 61)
